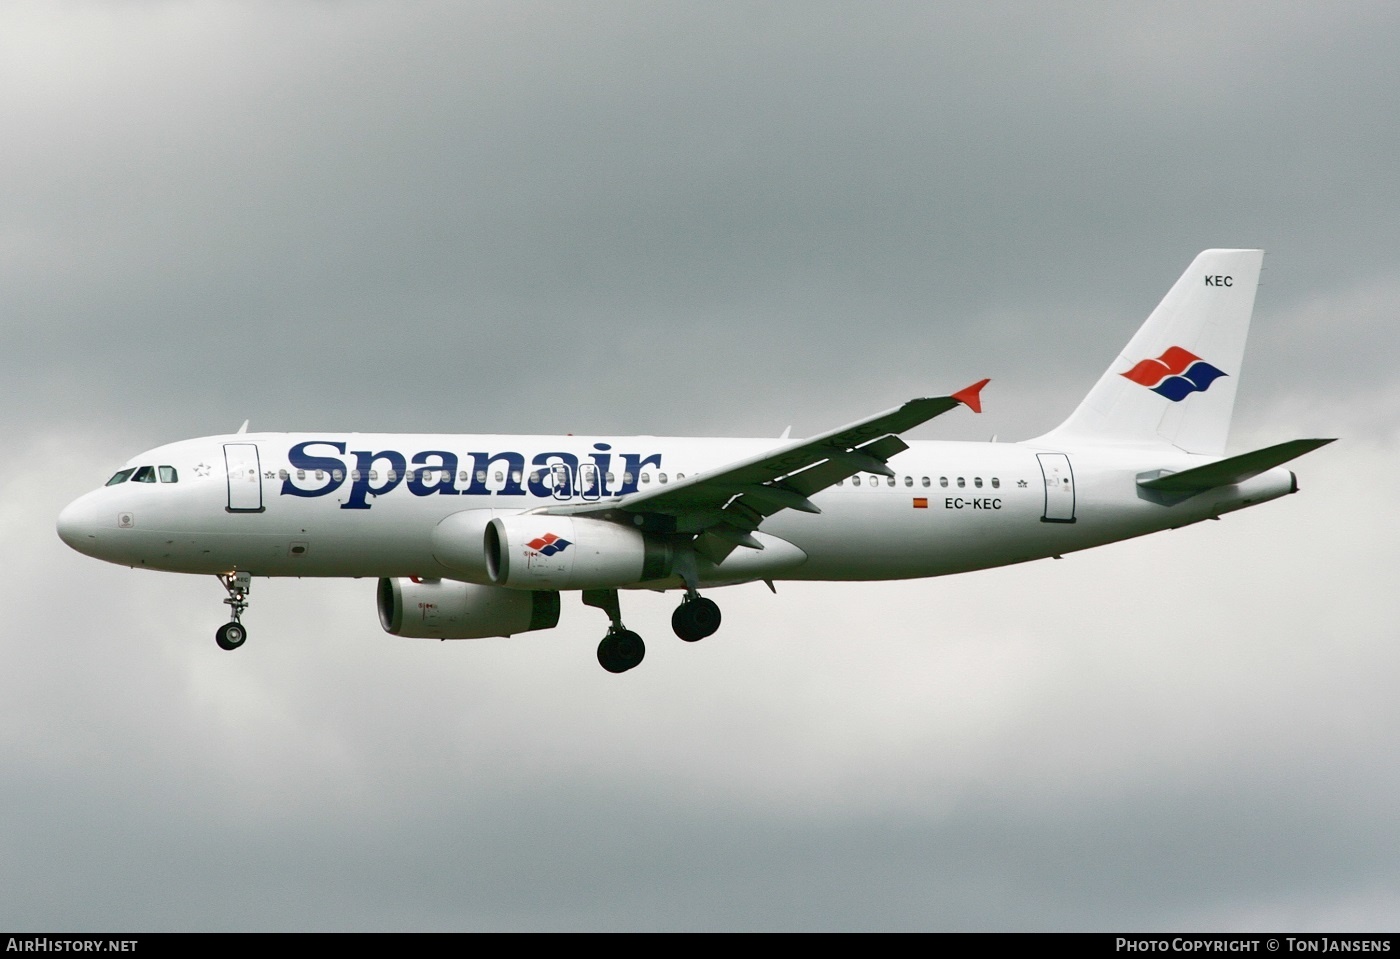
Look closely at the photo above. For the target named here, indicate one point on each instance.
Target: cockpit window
(168, 474)
(144, 474)
(121, 477)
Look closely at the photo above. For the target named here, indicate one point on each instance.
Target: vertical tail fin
(1175, 381)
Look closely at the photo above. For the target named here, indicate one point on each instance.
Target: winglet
(970, 397)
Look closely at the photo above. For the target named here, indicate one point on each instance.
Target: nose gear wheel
(233, 634)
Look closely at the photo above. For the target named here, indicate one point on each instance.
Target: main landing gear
(695, 618)
(621, 649)
(231, 635)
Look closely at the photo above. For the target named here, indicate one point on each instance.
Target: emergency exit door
(244, 478)
(1059, 488)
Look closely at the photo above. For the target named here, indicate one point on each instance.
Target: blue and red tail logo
(1176, 374)
(548, 544)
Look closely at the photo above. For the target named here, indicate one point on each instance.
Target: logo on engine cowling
(548, 544)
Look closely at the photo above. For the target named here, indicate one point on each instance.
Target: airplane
(474, 536)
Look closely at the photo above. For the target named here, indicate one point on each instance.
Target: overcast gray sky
(715, 219)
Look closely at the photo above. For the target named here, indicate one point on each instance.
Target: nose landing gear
(232, 635)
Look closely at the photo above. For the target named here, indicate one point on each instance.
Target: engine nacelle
(447, 609)
(567, 552)
(459, 543)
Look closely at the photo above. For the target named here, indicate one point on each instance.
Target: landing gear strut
(621, 649)
(231, 635)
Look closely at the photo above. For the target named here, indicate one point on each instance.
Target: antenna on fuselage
(244, 427)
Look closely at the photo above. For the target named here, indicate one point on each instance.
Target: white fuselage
(367, 505)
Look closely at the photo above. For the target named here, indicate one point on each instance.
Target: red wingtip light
(970, 397)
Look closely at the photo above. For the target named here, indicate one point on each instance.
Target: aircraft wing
(723, 506)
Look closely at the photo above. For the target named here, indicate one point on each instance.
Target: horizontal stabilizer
(1234, 469)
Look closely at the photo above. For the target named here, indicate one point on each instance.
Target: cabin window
(626, 479)
(661, 477)
(610, 479)
(337, 475)
(374, 476)
(977, 482)
(679, 477)
(996, 483)
(301, 474)
(908, 481)
(961, 482)
(646, 477)
(168, 474)
(943, 481)
(121, 477)
(464, 476)
(516, 476)
(889, 480)
(840, 482)
(282, 474)
(927, 482)
(535, 476)
(855, 480)
(481, 476)
(500, 476)
(144, 474)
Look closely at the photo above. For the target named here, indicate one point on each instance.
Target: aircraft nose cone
(77, 526)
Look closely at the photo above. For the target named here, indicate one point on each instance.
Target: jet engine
(447, 609)
(459, 543)
(529, 551)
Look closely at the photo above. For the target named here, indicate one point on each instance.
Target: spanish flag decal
(921, 502)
